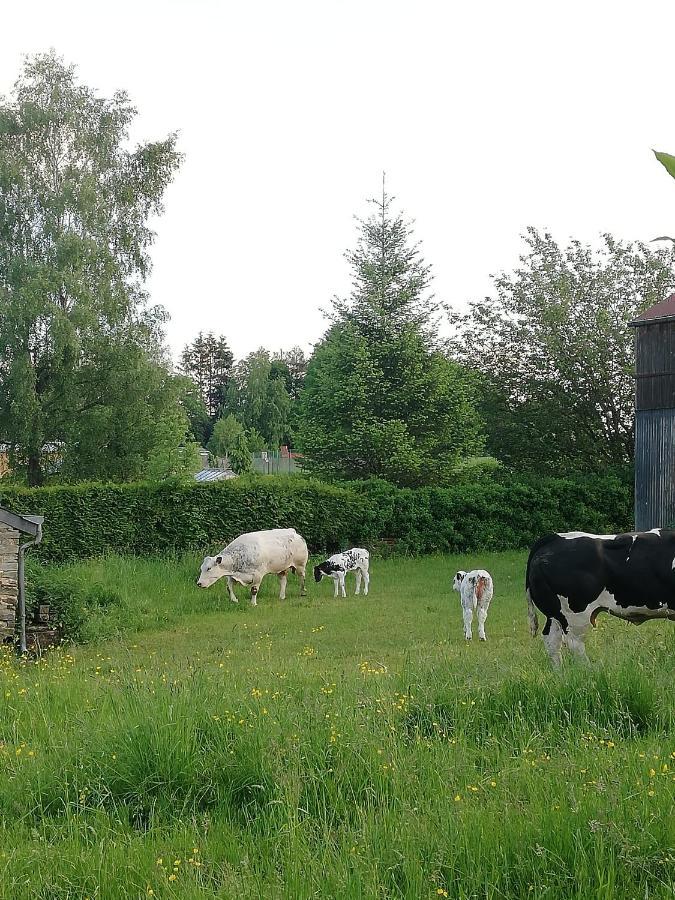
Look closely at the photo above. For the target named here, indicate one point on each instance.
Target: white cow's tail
(481, 584)
(532, 614)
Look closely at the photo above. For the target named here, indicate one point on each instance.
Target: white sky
(486, 116)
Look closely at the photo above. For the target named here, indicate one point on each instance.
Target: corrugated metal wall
(654, 469)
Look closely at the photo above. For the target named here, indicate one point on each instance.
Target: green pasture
(321, 748)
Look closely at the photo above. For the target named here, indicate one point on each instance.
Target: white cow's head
(457, 583)
(212, 569)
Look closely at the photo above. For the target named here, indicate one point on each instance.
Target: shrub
(71, 596)
(501, 512)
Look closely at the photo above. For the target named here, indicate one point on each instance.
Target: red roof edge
(660, 311)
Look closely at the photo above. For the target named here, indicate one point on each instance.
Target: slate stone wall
(9, 590)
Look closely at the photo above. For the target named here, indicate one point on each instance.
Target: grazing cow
(475, 591)
(573, 576)
(252, 556)
(337, 565)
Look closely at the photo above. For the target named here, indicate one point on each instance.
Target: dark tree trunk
(35, 473)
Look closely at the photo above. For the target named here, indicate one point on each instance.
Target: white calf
(475, 591)
(336, 566)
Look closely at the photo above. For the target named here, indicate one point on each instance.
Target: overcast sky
(486, 117)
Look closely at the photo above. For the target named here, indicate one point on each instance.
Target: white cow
(338, 564)
(475, 591)
(253, 555)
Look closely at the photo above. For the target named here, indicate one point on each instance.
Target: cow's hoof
(483, 639)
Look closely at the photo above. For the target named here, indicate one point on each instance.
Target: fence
(275, 462)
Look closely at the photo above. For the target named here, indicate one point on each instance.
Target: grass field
(335, 749)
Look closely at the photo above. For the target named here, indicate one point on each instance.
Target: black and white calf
(475, 591)
(355, 560)
(573, 576)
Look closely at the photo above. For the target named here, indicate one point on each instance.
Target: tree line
(234, 409)
(538, 375)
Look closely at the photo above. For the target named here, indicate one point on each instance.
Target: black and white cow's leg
(255, 587)
(342, 584)
(358, 582)
(553, 637)
(575, 641)
(467, 614)
(230, 590)
(283, 580)
(366, 579)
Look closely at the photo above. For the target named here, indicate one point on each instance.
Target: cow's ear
(219, 560)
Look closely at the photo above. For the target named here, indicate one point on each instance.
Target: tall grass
(321, 748)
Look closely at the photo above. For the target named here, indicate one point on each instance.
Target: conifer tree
(379, 398)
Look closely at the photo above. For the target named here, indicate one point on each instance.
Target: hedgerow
(498, 513)
(152, 518)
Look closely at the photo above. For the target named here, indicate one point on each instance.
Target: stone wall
(9, 561)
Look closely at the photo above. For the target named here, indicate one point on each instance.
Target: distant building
(220, 472)
(52, 458)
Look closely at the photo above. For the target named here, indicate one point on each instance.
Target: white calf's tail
(532, 615)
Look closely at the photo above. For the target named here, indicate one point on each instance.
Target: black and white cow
(573, 576)
(337, 565)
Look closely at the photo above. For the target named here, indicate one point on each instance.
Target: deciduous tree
(259, 400)
(75, 206)
(554, 351)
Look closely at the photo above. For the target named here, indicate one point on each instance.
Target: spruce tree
(379, 398)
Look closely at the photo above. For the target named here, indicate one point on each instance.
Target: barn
(655, 416)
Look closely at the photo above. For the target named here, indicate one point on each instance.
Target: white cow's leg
(467, 613)
(255, 587)
(575, 641)
(336, 583)
(283, 579)
(553, 641)
(366, 580)
(230, 590)
(342, 584)
(482, 612)
(301, 573)
(358, 582)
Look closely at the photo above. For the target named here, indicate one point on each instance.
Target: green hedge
(498, 513)
(92, 519)
(502, 513)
